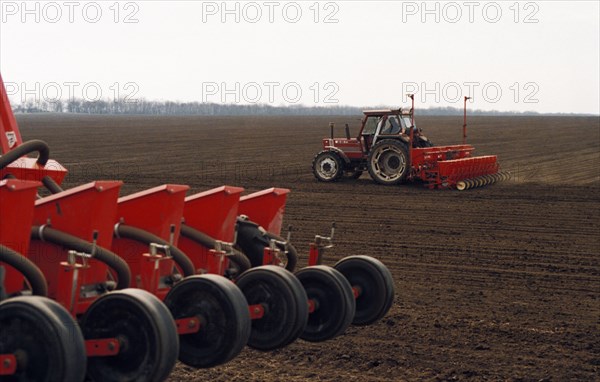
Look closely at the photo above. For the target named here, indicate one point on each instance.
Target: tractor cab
(394, 124)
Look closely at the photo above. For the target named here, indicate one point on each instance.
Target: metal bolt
(192, 324)
(6, 363)
(111, 346)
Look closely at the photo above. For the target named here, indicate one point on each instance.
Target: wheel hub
(328, 168)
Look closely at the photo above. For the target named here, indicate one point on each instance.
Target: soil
(495, 283)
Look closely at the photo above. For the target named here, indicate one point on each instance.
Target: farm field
(495, 283)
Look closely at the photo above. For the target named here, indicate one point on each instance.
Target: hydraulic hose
(51, 185)
(26, 148)
(206, 241)
(145, 237)
(198, 236)
(33, 274)
(109, 258)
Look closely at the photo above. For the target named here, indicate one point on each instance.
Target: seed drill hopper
(119, 288)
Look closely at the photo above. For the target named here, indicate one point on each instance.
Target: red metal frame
(81, 212)
(85, 209)
(104, 347)
(8, 364)
(213, 212)
(17, 200)
(188, 325)
(10, 136)
(265, 208)
(27, 169)
(315, 255)
(271, 256)
(155, 210)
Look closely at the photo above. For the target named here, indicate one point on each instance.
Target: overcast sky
(541, 56)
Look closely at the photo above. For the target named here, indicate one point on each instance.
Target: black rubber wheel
(285, 306)
(375, 284)
(252, 240)
(334, 302)
(222, 310)
(45, 339)
(327, 166)
(388, 162)
(33, 275)
(149, 343)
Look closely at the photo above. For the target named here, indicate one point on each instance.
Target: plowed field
(496, 283)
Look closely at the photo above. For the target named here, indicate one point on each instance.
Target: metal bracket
(104, 347)
(8, 364)
(318, 247)
(188, 325)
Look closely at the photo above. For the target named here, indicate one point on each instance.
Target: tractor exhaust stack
(465, 121)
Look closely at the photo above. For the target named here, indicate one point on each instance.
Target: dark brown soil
(496, 283)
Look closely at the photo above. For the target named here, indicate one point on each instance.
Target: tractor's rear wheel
(328, 166)
(388, 162)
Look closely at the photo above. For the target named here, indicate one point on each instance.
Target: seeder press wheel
(372, 284)
(284, 302)
(332, 299)
(45, 340)
(222, 311)
(146, 332)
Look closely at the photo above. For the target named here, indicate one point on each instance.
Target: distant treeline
(144, 107)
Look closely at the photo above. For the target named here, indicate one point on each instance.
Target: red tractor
(391, 148)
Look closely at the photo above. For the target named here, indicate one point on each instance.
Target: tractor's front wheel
(328, 166)
(388, 162)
